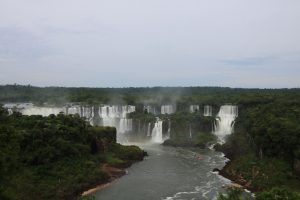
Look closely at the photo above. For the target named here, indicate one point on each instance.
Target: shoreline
(114, 173)
(96, 189)
(237, 180)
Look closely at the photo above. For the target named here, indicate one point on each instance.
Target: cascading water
(83, 111)
(149, 130)
(10, 111)
(194, 108)
(88, 113)
(169, 129)
(150, 109)
(207, 111)
(157, 136)
(44, 111)
(73, 110)
(225, 121)
(116, 116)
(17, 106)
(167, 109)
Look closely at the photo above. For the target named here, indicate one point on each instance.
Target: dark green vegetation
(233, 194)
(264, 149)
(187, 129)
(191, 129)
(278, 193)
(182, 96)
(273, 194)
(56, 157)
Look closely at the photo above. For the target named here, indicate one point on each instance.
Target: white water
(207, 111)
(88, 113)
(30, 109)
(149, 130)
(167, 109)
(225, 121)
(169, 129)
(116, 116)
(170, 174)
(17, 106)
(10, 111)
(194, 108)
(44, 111)
(73, 110)
(150, 109)
(157, 136)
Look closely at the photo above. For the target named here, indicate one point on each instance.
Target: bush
(278, 194)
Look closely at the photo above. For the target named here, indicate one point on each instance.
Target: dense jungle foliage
(55, 157)
(182, 96)
(264, 149)
(273, 194)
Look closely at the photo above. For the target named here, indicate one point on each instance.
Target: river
(169, 173)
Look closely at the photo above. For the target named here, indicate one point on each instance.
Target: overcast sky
(121, 43)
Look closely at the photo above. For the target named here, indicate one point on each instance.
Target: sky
(137, 43)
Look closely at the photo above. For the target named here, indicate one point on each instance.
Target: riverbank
(238, 180)
(113, 173)
(58, 157)
(260, 174)
(115, 168)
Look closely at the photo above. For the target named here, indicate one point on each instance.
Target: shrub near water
(260, 173)
(278, 194)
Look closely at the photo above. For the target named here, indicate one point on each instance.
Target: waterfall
(44, 111)
(157, 136)
(116, 116)
(169, 129)
(167, 109)
(149, 130)
(73, 110)
(17, 106)
(207, 111)
(10, 111)
(225, 121)
(194, 108)
(150, 109)
(88, 113)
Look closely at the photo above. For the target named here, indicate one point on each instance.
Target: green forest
(60, 155)
(264, 149)
(56, 157)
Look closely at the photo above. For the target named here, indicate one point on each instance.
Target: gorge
(178, 136)
(162, 161)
